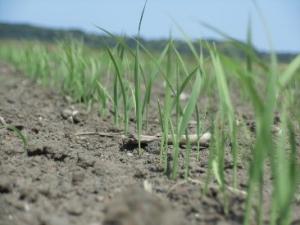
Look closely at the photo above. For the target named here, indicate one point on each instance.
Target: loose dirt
(60, 178)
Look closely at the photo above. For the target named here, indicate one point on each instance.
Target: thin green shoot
(184, 120)
(119, 80)
(137, 85)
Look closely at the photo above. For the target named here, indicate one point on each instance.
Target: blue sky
(121, 16)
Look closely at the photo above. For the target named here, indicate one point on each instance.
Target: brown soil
(62, 179)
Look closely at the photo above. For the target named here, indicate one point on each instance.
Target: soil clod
(73, 116)
(6, 186)
(85, 160)
(138, 207)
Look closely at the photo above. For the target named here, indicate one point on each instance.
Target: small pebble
(26, 207)
(66, 113)
(205, 138)
(99, 198)
(77, 177)
(73, 116)
(70, 119)
(2, 121)
(129, 154)
(276, 130)
(147, 186)
(183, 96)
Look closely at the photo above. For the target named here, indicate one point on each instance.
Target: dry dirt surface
(61, 178)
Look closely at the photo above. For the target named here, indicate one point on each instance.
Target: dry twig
(145, 139)
(214, 187)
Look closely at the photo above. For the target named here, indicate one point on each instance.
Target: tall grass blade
(184, 119)
(290, 72)
(123, 92)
